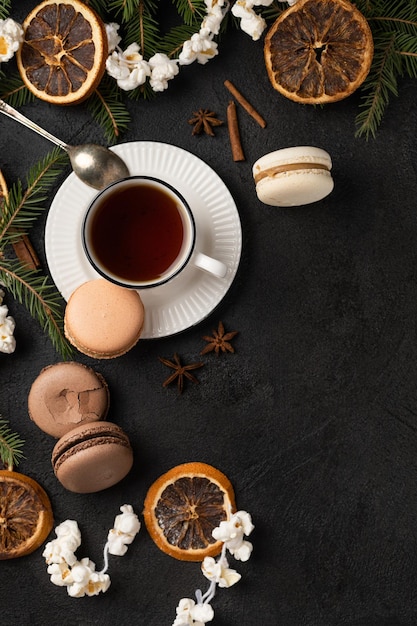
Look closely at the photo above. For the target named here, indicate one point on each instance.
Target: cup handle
(210, 265)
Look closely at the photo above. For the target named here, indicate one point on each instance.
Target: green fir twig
(5, 6)
(191, 12)
(30, 287)
(394, 30)
(14, 91)
(35, 291)
(10, 446)
(109, 110)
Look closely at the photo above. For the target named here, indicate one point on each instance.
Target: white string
(211, 591)
(105, 559)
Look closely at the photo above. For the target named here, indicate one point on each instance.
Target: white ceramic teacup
(140, 232)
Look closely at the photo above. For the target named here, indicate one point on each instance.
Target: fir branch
(108, 109)
(5, 6)
(144, 91)
(143, 28)
(273, 11)
(128, 9)
(191, 11)
(30, 287)
(10, 446)
(380, 84)
(394, 29)
(23, 207)
(407, 49)
(174, 39)
(14, 91)
(39, 296)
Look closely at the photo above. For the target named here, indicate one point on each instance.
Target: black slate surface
(313, 418)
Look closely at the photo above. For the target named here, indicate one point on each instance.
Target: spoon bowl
(97, 166)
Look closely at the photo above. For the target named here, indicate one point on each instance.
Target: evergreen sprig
(394, 30)
(10, 446)
(191, 12)
(36, 292)
(109, 110)
(5, 6)
(30, 287)
(14, 91)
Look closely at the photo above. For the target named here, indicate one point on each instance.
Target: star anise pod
(204, 120)
(220, 341)
(180, 372)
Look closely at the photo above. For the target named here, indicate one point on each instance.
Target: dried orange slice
(184, 505)
(25, 515)
(63, 55)
(319, 51)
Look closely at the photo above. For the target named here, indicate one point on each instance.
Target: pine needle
(191, 12)
(30, 287)
(40, 297)
(394, 30)
(14, 91)
(10, 446)
(24, 206)
(5, 6)
(380, 84)
(109, 110)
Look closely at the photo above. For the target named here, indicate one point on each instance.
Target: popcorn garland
(231, 533)
(130, 69)
(80, 577)
(7, 326)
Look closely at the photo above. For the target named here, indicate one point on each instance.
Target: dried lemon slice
(184, 505)
(25, 515)
(319, 51)
(63, 55)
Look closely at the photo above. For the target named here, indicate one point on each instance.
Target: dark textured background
(313, 419)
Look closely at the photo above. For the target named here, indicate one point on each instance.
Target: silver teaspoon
(95, 165)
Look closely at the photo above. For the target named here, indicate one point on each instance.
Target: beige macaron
(293, 176)
(103, 320)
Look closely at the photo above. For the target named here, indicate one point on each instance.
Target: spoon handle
(11, 112)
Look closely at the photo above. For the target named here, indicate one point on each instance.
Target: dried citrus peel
(25, 515)
(63, 55)
(318, 51)
(182, 508)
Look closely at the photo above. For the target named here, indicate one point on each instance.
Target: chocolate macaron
(66, 395)
(92, 457)
(103, 320)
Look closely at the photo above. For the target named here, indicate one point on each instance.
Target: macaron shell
(92, 458)
(103, 320)
(279, 182)
(295, 188)
(294, 154)
(65, 395)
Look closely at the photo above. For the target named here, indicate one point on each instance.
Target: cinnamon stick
(26, 253)
(234, 132)
(249, 108)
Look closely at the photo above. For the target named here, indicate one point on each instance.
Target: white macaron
(293, 176)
